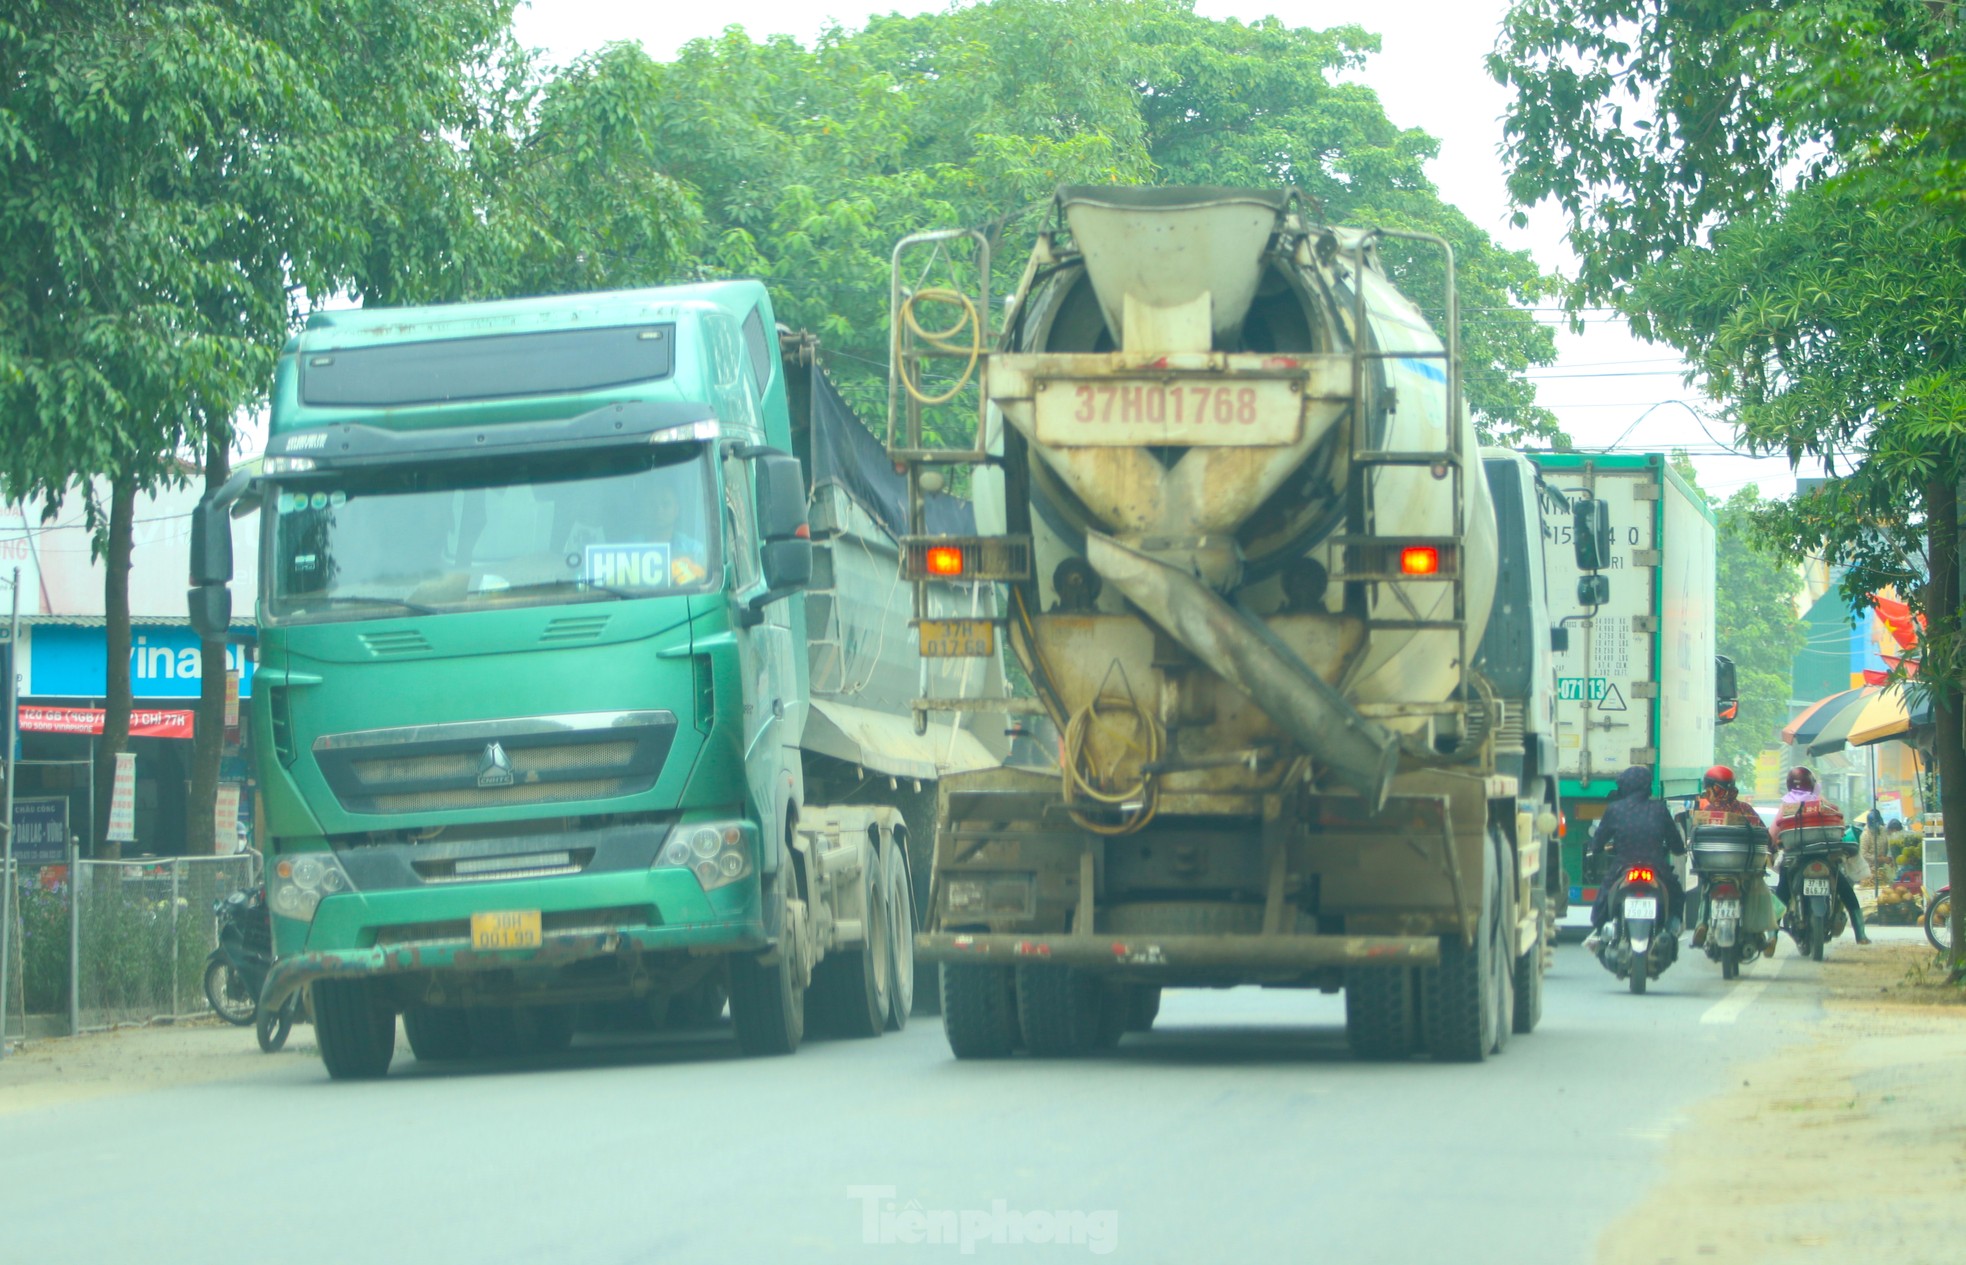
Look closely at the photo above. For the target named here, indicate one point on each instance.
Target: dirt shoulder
(1849, 1148)
(65, 1070)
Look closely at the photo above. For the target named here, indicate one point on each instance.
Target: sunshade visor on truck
(552, 362)
(346, 445)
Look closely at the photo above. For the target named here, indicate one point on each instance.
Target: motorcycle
(236, 971)
(1812, 856)
(1727, 859)
(1639, 942)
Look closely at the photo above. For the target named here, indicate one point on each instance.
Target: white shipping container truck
(1637, 681)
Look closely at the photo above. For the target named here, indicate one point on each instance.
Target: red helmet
(1719, 776)
(1801, 779)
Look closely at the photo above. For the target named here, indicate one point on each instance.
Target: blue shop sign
(67, 662)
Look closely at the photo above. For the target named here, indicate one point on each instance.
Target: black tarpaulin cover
(847, 455)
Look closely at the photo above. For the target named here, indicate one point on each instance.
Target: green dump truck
(576, 684)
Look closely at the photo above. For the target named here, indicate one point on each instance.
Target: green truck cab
(533, 681)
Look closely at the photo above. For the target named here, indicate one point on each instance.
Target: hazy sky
(1429, 74)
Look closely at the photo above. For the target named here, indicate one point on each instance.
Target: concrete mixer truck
(1289, 621)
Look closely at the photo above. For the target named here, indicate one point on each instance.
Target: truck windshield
(470, 536)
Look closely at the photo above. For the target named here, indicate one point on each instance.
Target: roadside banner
(123, 800)
(144, 722)
(225, 820)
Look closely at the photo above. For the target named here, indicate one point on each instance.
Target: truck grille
(496, 763)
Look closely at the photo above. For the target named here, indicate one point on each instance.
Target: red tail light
(1640, 874)
(1419, 560)
(1816, 868)
(945, 560)
(1725, 891)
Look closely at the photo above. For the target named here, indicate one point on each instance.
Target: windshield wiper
(578, 586)
(354, 599)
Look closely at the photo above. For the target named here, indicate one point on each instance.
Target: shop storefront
(62, 680)
(61, 668)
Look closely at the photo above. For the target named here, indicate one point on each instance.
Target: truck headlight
(297, 883)
(718, 853)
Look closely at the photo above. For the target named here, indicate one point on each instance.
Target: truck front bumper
(373, 934)
(1148, 954)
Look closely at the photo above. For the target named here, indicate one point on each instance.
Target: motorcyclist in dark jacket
(1638, 830)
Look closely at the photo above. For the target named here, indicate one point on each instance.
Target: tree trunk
(1943, 632)
(208, 734)
(116, 687)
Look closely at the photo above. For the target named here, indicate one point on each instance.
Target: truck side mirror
(211, 610)
(781, 495)
(785, 548)
(1593, 590)
(1726, 691)
(211, 543)
(1590, 533)
(786, 556)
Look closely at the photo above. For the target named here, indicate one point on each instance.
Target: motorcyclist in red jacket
(1720, 795)
(1803, 805)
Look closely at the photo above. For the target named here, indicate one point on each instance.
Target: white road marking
(1729, 1008)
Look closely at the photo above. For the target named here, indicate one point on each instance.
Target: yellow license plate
(505, 929)
(958, 638)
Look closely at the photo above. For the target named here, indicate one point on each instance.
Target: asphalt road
(1239, 1130)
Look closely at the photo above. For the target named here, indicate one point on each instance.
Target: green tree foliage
(1729, 186)
(810, 163)
(178, 177)
(1755, 625)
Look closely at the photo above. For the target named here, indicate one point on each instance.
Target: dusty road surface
(1848, 1147)
(1238, 1130)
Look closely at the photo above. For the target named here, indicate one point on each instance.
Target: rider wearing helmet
(1637, 830)
(1803, 805)
(1721, 796)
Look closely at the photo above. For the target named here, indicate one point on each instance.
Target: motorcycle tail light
(1816, 869)
(1726, 891)
(1639, 874)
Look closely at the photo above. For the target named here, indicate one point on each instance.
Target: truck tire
(438, 1034)
(900, 936)
(1059, 1009)
(849, 994)
(979, 1010)
(1457, 998)
(1529, 973)
(768, 999)
(354, 1028)
(1380, 1022)
(767, 1006)
(1142, 1007)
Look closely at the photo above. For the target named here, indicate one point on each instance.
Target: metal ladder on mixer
(1364, 557)
(925, 558)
